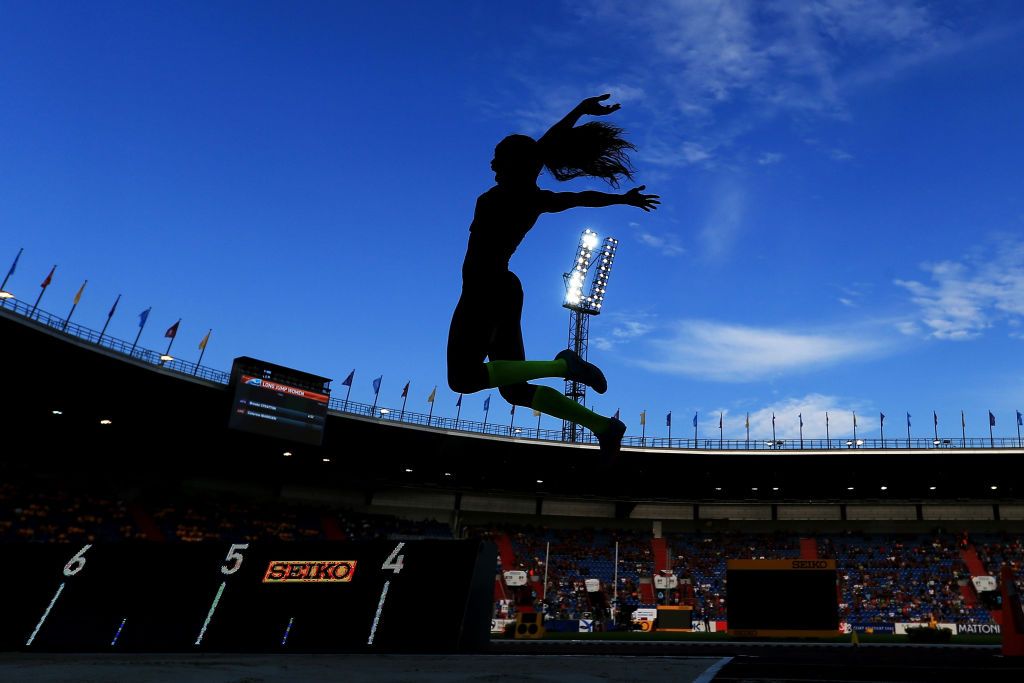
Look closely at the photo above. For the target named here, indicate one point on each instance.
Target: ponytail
(595, 149)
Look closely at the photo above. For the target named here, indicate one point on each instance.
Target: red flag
(172, 331)
(49, 278)
(405, 391)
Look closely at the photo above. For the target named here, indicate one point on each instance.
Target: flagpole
(748, 430)
(512, 421)
(643, 428)
(46, 283)
(828, 437)
(908, 430)
(458, 412)
(1018, 429)
(720, 431)
(347, 394)
(773, 430)
(11, 271)
(963, 430)
(991, 440)
(801, 417)
(376, 395)
(855, 428)
(175, 336)
(487, 411)
(109, 316)
(401, 415)
(695, 430)
(73, 306)
(881, 428)
(143, 319)
(669, 428)
(202, 351)
(430, 417)
(538, 423)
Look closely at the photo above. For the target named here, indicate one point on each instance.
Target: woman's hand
(647, 202)
(592, 106)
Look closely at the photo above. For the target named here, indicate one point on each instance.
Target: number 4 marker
(395, 562)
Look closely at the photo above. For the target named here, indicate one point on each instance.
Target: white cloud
(768, 158)
(625, 328)
(724, 222)
(964, 298)
(813, 408)
(738, 353)
(667, 243)
(840, 155)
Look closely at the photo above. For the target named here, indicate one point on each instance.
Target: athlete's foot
(611, 439)
(580, 370)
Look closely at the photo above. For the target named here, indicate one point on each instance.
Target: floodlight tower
(582, 307)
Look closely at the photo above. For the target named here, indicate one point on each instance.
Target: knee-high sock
(504, 372)
(550, 402)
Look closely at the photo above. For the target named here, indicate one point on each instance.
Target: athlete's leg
(468, 337)
(508, 352)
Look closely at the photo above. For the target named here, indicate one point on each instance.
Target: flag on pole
(881, 418)
(458, 404)
(747, 423)
(430, 399)
(963, 421)
(720, 420)
(643, 417)
(536, 413)
(172, 331)
(487, 403)
(15, 264)
(991, 419)
(144, 316)
(773, 419)
(348, 380)
(513, 409)
(617, 413)
(668, 419)
(908, 419)
(1020, 421)
(405, 391)
(49, 278)
(695, 419)
(376, 385)
(801, 417)
(114, 307)
(855, 420)
(78, 297)
(206, 340)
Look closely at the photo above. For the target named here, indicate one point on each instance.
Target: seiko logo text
(310, 571)
(810, 564)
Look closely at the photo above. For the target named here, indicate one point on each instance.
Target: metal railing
(388, 414)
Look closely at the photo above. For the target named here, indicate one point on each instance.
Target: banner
(586, 626)
(498, 625)
(902, 626)
(869, 628)
(978, 630)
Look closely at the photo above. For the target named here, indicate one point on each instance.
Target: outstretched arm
(589, 107)
(560, 201)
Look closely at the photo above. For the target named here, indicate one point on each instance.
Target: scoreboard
(276, 401)
(782, 598)
(418, 595)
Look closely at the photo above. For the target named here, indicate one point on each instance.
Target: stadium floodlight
(326, 459)
(588, 254)
(105, 421)
(384, 411)
(287, 454)
(166, 358)
(6, 295)
(57, 412)
(993, 487)
(931, 488)
(884, 488)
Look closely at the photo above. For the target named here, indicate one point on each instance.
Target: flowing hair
(595, 149)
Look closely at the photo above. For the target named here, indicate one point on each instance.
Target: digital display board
(280, 402)
(302, 597)
(785, 598)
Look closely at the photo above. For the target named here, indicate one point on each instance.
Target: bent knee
(518, 394)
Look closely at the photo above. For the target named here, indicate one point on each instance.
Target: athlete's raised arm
(560, 201)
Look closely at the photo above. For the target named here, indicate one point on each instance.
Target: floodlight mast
(582, 307)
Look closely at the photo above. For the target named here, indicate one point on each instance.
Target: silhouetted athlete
(486, 323)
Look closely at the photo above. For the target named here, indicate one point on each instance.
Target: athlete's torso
(503, 217)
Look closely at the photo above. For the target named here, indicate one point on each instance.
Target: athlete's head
(517, 160)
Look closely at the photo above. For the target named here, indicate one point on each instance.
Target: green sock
(504, 372)
(550, 402)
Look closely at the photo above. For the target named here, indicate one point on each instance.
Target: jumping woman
(486, 323)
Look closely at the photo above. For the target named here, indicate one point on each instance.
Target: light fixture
(718, 488)
(540, 481)
(166, 357)
(775, 488)
(384, 411)
(408, 469)
(105, 421)
(753, 488)
(931, 488)
(57, 412)
(993, 487)
(936, 442)
(6, 295)
(287, 454)
(447, 474)
(849, 488)
(576, 278)
(885, 488)
(326, 459)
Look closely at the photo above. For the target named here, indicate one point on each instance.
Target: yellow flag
(536, 413)
(78, 297)
(202, 344)
(748, 421)
(430, 399)
(643, 417)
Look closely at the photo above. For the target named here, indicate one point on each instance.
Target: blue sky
(841, 183)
